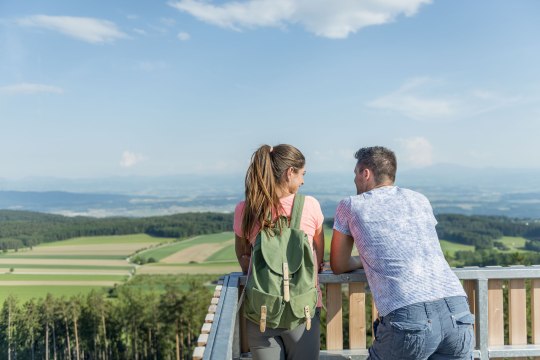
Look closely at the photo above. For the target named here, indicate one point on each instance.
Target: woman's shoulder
(240, 207)
(310, 199)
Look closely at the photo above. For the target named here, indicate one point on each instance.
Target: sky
(93, 89)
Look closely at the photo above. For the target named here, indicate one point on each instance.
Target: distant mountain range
(450, 188)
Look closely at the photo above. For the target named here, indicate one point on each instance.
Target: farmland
(81, 264)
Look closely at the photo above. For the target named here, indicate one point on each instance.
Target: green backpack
(281, 291)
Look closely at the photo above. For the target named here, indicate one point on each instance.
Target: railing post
(357, 315)
(334, 320)
(481, 307)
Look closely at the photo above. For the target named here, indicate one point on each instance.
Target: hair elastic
(271, 148)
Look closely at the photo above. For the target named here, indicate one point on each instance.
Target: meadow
(82, 264)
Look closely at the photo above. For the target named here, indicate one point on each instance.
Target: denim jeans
(441, 329)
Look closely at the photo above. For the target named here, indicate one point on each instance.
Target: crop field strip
(83, 264)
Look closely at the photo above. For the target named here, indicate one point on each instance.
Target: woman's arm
(243, 252)
(318, 245)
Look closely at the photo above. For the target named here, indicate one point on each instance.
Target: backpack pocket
(299, 302)
(256, 298)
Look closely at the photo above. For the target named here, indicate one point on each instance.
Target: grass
(452, 247)
(107, 240)
(227, 253)
(24, 293)
(61, 257)
(166, 250)
(61, 277)
(64, 267)
(169, 249)
(514, 243)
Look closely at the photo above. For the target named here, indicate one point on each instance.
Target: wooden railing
(500, 298)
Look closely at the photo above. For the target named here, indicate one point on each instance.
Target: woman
(272, 180)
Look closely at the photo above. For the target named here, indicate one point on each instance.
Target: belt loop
(427, 309)
(449, 305)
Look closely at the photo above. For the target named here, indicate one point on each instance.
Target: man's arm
(340, 254)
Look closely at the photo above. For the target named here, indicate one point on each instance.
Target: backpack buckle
(286, 283)
(262, 324)
(307, 314)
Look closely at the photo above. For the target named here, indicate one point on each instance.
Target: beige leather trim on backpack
(286, 283)
(262, 325)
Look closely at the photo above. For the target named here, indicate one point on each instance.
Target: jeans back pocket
(409, 339)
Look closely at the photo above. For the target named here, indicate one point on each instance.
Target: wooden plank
(495, 313)
(517, 317)
(470, 290)
(198, 353)
(357, 315)
(374, 316)
(206, 328)
(535, 311)
(209, 318)
(334, 321)
(202, 340)
(244, 346)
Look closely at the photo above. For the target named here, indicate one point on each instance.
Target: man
(423, 309)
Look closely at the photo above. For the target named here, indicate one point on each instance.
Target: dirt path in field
(196, 253)
(188, 269)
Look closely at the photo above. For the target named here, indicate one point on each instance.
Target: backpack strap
(296, 212)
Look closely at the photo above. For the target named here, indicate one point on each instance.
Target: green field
(24, 293)
(84, 262)
(226, 254)
(164, 251)
(107, 240)
(62, 277)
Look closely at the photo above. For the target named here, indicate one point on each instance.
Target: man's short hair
(380, 160)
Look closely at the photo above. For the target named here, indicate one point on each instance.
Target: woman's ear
(290, 172)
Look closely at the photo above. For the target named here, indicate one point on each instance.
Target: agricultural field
(79, 265)
(71, 266)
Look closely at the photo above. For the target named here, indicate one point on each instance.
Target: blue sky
(133, 87)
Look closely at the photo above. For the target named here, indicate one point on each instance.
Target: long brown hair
(263, 177)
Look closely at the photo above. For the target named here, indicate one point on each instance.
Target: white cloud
(412, 100)
(327, 18)
(418, 151)
(87, 29)
(184, 36)
(28, 89)
(130, 159)
(427, 99)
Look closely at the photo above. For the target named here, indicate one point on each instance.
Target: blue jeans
(440, 329)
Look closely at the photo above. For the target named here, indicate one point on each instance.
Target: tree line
(26, 229)
(483, 231)
(131, 324)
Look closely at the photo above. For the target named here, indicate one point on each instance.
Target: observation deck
(504, 300)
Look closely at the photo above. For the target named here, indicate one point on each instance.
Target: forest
(26, 229)
(126, 323)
